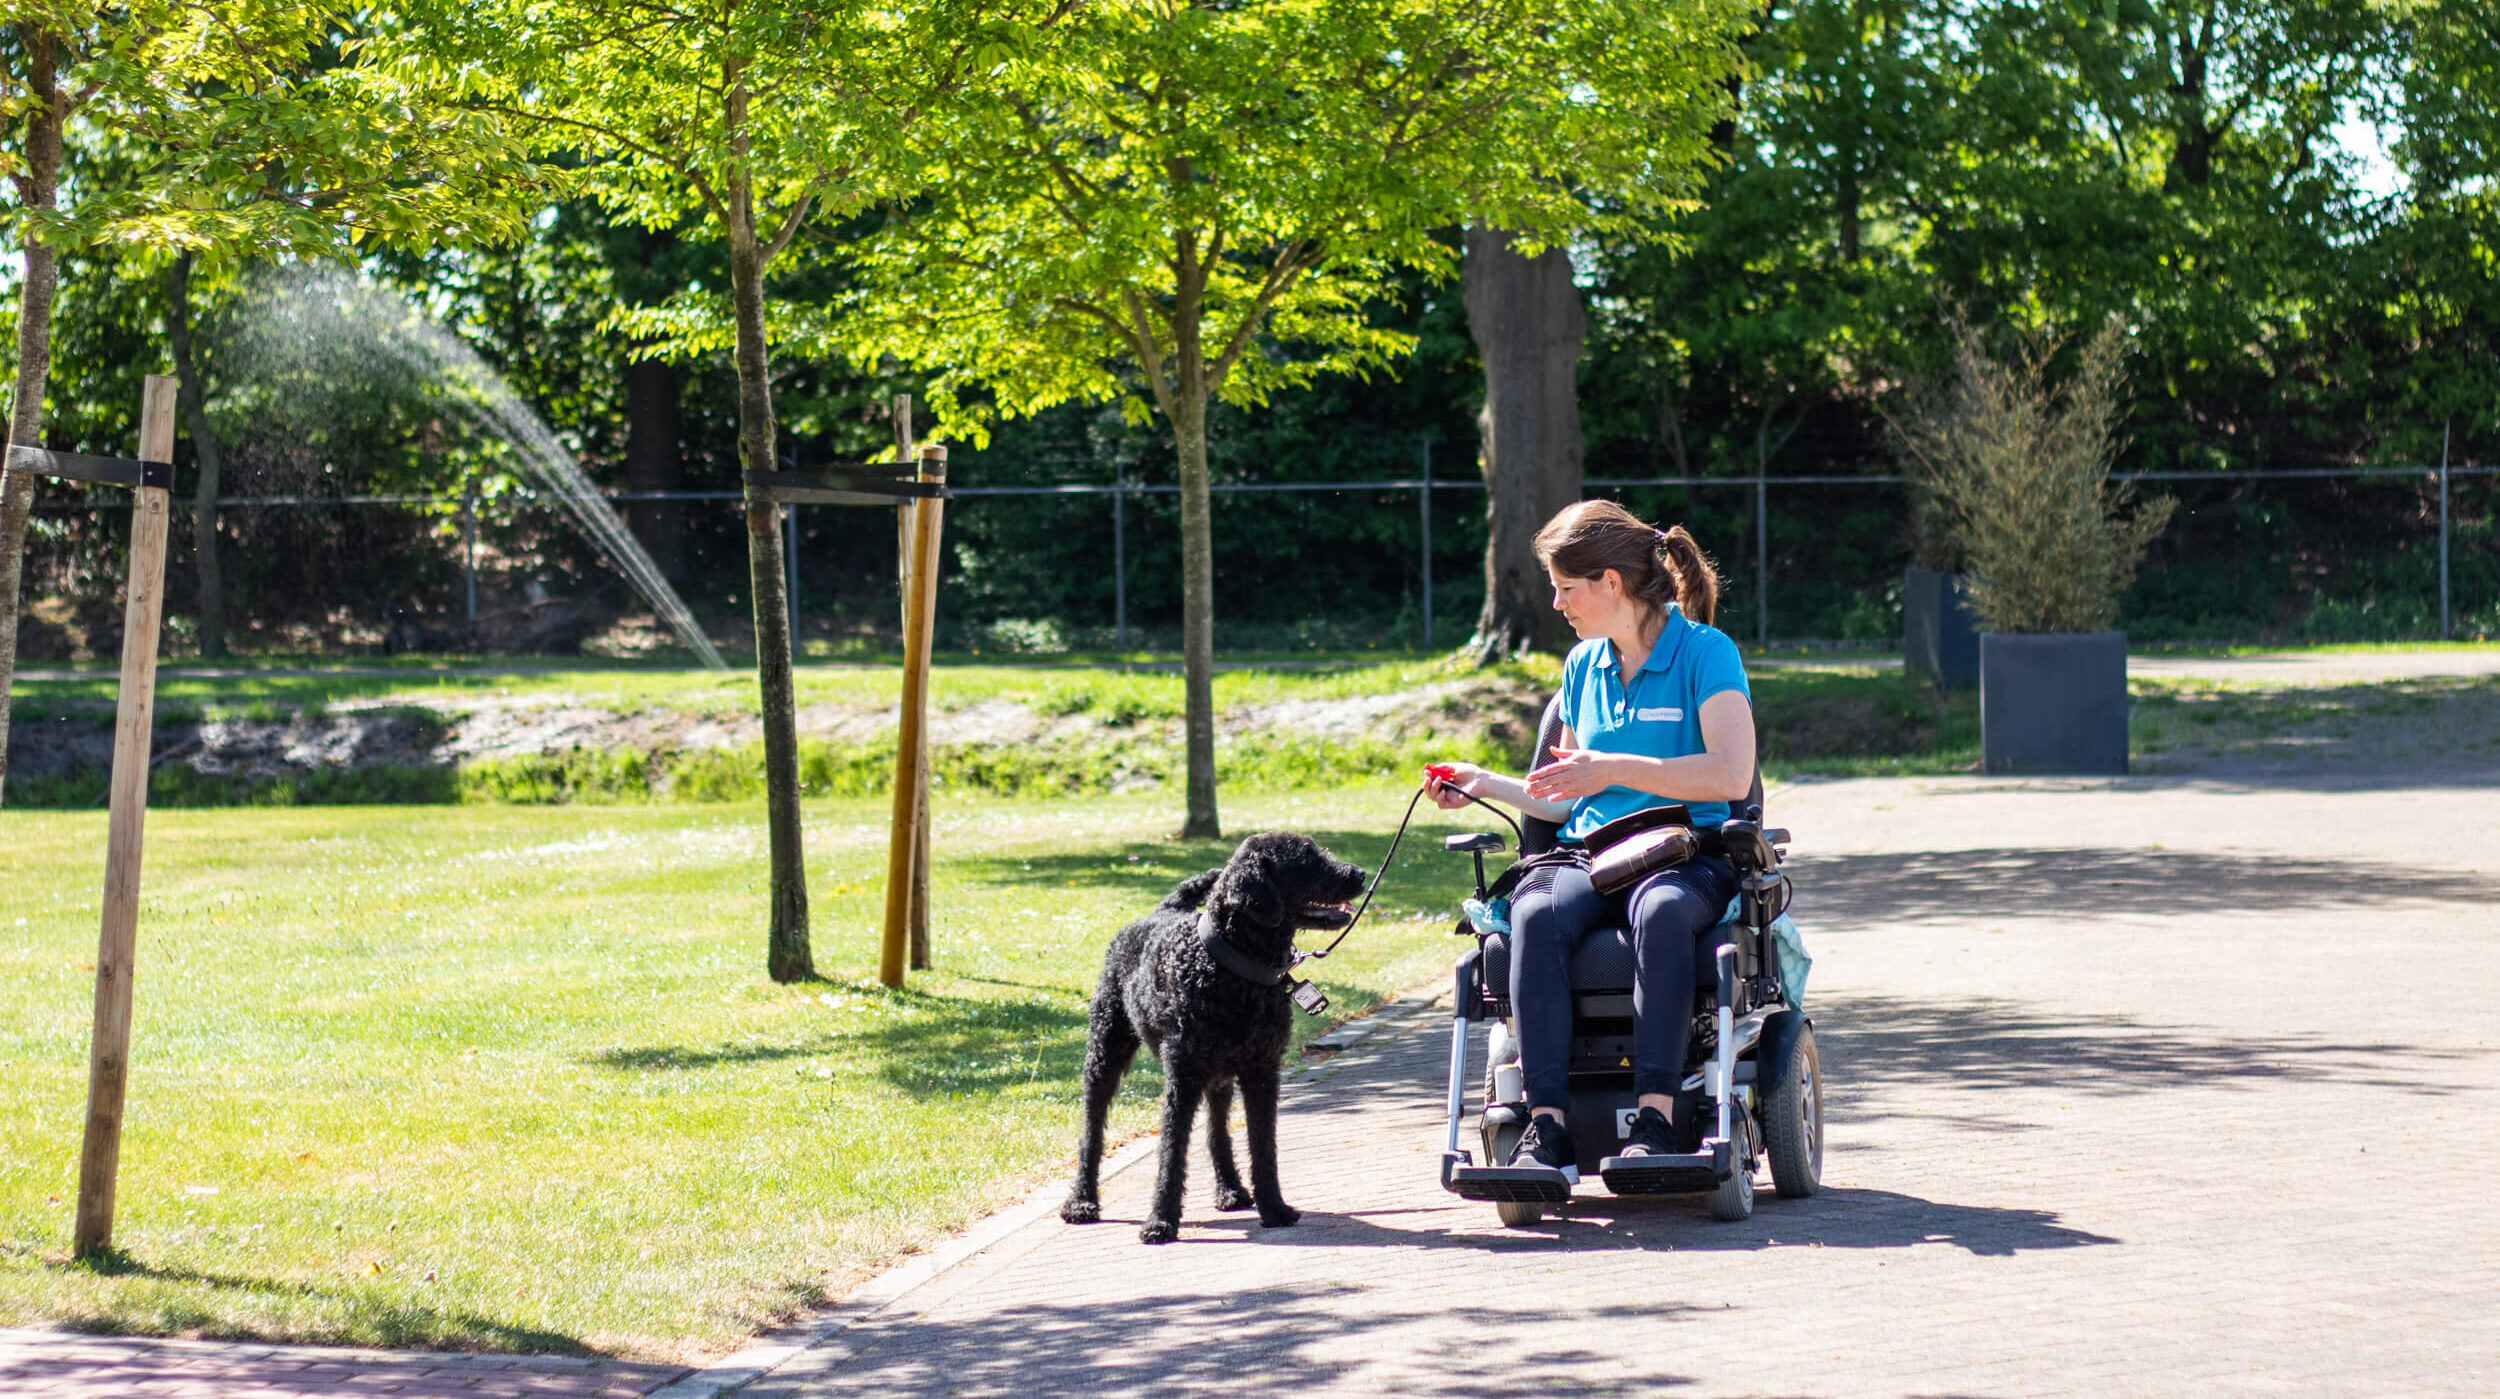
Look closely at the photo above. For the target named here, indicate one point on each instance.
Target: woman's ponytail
(1696, 582)
(1657, 566)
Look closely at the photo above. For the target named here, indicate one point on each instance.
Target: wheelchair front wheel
(1499, 1142)
(1792, 1122)
(1732, 1200)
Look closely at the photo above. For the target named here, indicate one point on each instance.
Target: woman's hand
(1464, 778)
(1574, 773)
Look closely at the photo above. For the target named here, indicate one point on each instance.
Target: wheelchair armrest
(1468, 994)
(1749, 848)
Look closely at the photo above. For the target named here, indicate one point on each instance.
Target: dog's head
(1284, 881)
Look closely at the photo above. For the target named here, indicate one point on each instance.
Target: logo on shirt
(1659, 716)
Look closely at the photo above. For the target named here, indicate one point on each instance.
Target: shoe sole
(1518, 1185)
(1661, 1175)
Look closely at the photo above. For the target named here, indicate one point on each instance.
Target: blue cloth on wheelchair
(1491, 916)
(1794, 963)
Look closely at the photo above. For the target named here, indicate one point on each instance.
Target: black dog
(1202, 982)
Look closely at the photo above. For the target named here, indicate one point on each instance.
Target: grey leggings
(1555, 907)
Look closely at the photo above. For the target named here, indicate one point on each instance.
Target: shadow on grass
(1010, 1044)
(937, 1046)
(351, 1318)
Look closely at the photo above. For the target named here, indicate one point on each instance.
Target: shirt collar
(1670, 640)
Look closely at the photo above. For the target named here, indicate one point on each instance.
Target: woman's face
(1593, 606)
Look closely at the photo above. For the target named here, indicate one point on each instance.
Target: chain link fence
(1804, 557)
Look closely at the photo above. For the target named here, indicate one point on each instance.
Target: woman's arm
(1722, 772)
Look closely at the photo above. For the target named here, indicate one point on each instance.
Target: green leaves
(258, 128)
(1168, 201)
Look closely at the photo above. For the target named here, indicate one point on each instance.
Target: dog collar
(1236, 961)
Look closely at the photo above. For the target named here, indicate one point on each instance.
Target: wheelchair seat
(1601, 966)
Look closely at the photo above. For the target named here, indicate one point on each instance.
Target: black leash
(1411, 803)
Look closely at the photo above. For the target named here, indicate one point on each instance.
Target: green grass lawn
(512, 1077)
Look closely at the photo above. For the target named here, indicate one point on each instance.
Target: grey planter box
(1939, 632)
(2053, 703)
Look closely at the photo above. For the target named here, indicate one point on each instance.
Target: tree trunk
(194, 395)
(651, 460)
(38, 183)
(1526, 319)
(1188, 407)
(2192, 151)
(1189, 430)
(787, 955)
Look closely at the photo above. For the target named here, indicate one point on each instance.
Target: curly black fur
(1212, 1029)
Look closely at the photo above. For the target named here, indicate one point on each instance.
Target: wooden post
(906, 519)
(911, 748)
(932, 468)
(143, 614)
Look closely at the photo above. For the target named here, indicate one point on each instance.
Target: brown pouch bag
(1628, 848)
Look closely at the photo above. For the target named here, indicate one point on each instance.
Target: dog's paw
(1281, 1217)
(1077, 1211)
(1158, 1231)
(1231, 1197)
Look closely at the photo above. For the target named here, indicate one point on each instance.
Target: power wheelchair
(1753, 1085)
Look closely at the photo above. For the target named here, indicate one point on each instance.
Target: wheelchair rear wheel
(1499, 1142)
(1792, 1122)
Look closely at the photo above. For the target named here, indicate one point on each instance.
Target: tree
(1200, 202)
(1528, 325)
(2020, 466)
(749, 121)
(207, 132)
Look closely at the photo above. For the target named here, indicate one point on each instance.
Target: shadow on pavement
(1596, 1222)
(2407, 772)
(1923, 1050)
(1259, 1340)
(1964, 886)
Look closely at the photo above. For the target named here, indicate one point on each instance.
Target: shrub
(2017, 469)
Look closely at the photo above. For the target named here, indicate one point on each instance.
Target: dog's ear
(1248, 889)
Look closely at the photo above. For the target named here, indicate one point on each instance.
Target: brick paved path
(2138, 1090)
(2138, 1087)
(46, 1362)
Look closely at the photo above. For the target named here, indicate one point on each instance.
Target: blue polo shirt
(1656, 715)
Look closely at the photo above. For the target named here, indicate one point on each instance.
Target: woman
(1656, 710)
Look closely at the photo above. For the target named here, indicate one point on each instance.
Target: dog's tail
(1193, 891)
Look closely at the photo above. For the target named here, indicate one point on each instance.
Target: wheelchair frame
(1757, 1053)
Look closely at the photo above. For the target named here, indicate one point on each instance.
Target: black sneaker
(1547, 1143)
(1651, 1135)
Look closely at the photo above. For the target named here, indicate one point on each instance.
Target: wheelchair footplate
(1518, 1185)
(1683, 1173)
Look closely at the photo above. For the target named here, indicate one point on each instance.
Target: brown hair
(1657, 566)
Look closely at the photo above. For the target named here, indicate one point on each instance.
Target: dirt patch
(69, 740)
(1498, 707)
